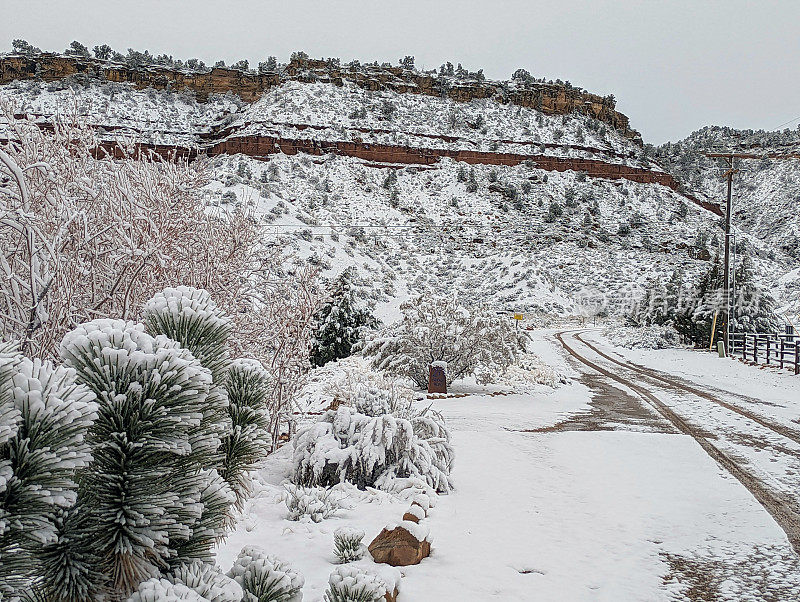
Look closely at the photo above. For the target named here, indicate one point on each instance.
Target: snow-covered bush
(83, 237)
(370, 451)
(347, 544)
(476, 341)
(355, 584)
(530, 369)
(644, 337)
(208, 581)
(372, 401)
(147, 498)
(44, 418)
(348, 381)
(266, 578)
(317, 503)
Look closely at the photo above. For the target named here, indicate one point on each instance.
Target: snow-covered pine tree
(191, 318)
(248, 386)
(754, 308)
(341, 322)
(44, 417)
(698, 314)
(143, 497)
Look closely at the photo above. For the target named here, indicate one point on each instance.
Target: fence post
(744, 346)
(755, 348)
(783, 344)
(769, 344)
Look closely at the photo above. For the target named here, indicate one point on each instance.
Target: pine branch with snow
(266, 578)
(347, 544)
(248, 386)
(208, 581)
(145, 495)
(44, 418)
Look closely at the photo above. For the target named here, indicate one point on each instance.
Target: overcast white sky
(673, 66)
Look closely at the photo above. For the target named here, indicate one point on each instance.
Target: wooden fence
(772, 349)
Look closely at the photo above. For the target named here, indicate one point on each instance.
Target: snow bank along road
(760, 452)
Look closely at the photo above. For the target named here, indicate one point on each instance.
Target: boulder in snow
(403, 545)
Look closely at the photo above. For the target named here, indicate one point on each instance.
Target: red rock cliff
(552, 99)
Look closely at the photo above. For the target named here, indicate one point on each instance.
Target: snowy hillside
(518, 238)
(523, 239)
(350, 112)
(120, 109)
(765, 192)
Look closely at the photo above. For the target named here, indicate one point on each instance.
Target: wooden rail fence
(771, 349)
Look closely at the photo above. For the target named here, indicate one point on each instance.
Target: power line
(786, 122)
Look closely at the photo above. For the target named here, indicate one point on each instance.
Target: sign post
(437, 377)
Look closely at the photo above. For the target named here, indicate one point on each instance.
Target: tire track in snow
(777, 505)
(775, 427)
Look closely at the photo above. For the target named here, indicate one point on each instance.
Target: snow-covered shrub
(44, 418)
(373, 401)
(476, 341)
(370, 451)
(347, 544)
(207, 580)
(317, 503)
(85, 236)
(530, 369)
(266, 578)
(147, 499)
(355, 584)
(644, 337)
(350, 380)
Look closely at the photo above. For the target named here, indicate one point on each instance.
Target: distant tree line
(134, 58)
(690, 307)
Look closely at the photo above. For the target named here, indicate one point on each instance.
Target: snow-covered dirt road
(606, 500)
(585, 492)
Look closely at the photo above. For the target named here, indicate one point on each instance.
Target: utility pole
(726, 284)
(730, 156)
(727, 277)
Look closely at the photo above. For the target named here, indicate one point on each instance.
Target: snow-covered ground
(542, 512)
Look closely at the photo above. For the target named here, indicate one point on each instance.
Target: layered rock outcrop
(552, 99)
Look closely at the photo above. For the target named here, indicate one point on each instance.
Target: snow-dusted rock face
(551, 98)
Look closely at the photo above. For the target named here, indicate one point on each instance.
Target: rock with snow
(402, 545)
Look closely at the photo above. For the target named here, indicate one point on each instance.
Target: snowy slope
(426, 233)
